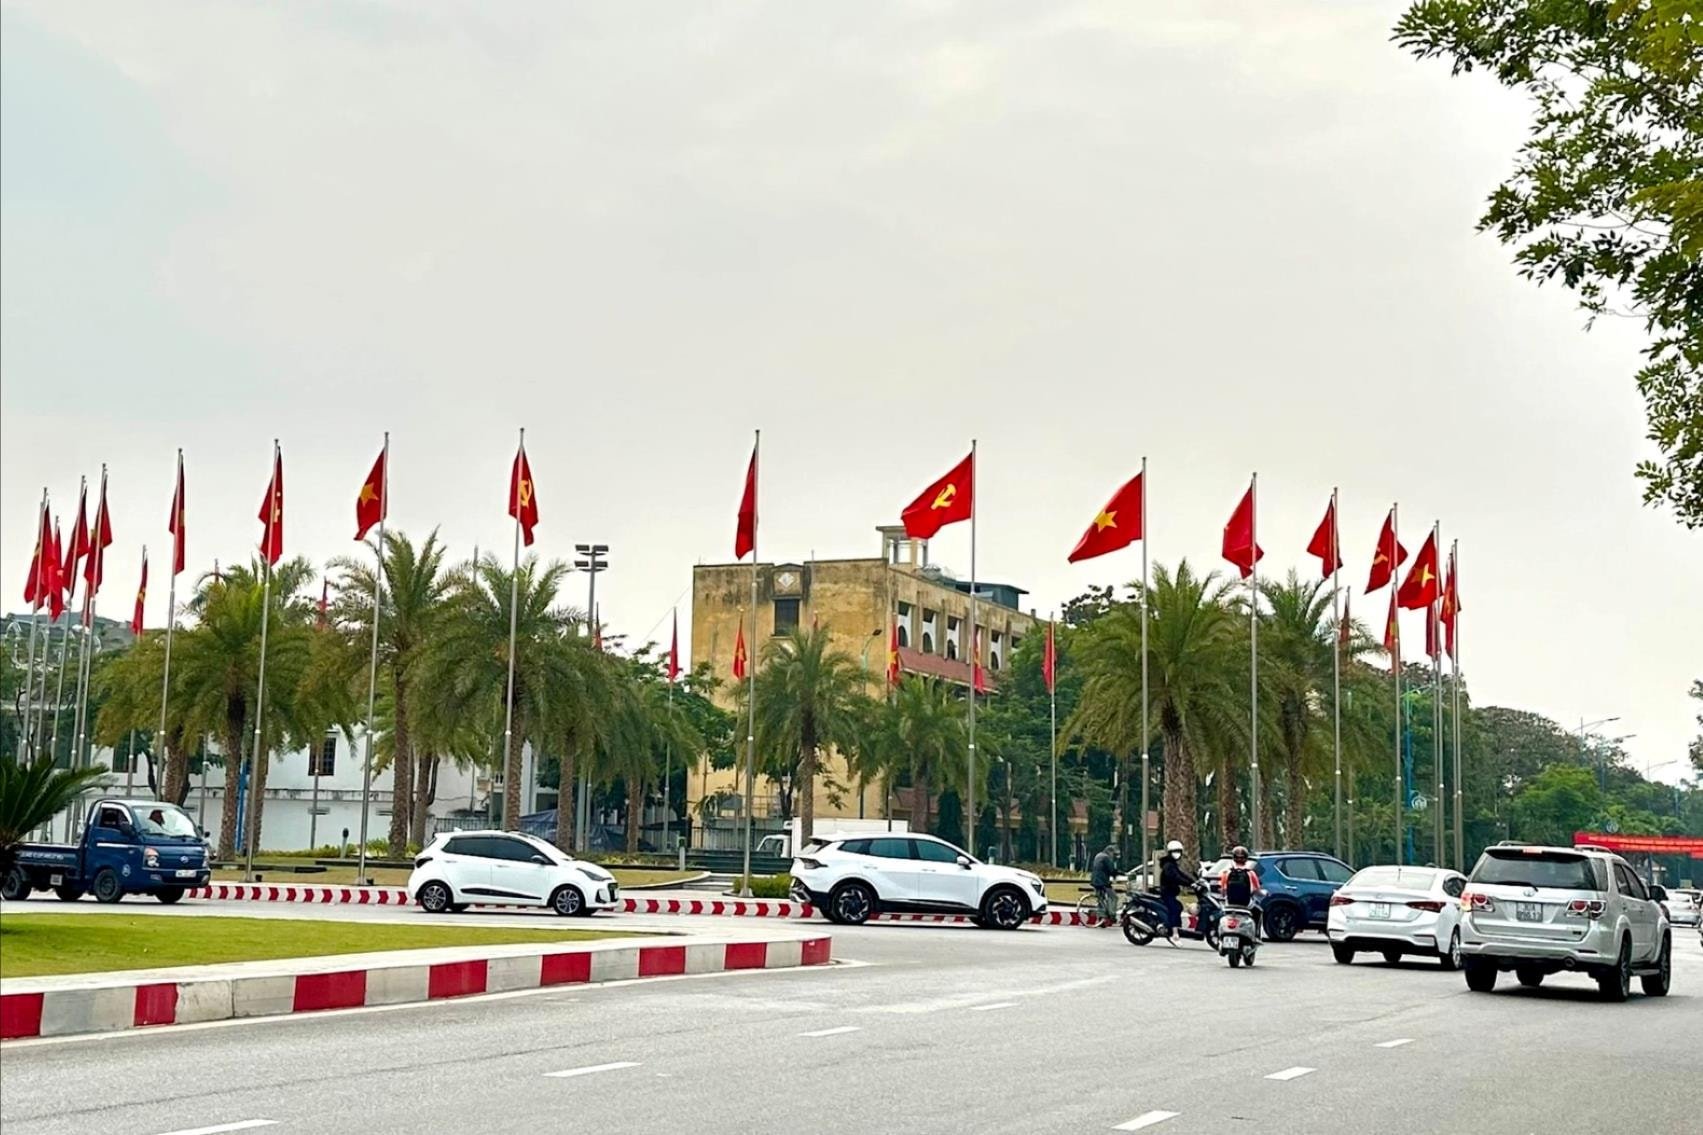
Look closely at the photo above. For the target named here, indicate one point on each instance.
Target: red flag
(978, 677)
(141, 598)
(739, 652)
(1344, 629)
(79, 543)
(674, 650)
(175, 524)
(523, 500)
(1431, 630)
(100, 539)
(1118, 525)
(53, 575)
(272, 513)
(32, 581)
(1451, 607)
(893, 654)
(745, 532)
(1423, 583)
(947, 501)
(1392, 631)
(1325, 543)
(1049, 660)
(1388, 556)
(1239, 547)
(371, 502)
(324, 600)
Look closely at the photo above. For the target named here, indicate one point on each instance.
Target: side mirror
(964, 862)
(1660, 894)
(541, 861)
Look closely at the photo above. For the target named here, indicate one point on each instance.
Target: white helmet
(1175, 848)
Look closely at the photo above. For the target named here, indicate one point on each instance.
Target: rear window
(1416, 878)
(1513, 867)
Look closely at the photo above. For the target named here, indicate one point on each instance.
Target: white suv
(850, 879)
(507, 869)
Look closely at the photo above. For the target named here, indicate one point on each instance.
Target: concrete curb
(82, 1003)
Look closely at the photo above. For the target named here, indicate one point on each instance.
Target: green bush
(770, 886)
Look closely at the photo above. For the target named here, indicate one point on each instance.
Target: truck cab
(128, 846)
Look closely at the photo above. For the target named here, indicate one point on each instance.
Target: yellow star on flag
(1106, 519)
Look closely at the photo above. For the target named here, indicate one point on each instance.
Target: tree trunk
(257, 801)
(635, 813)
(401, 773)
(511, 779)
(806, 792)
(566, 815)
(232, 744)
(174, 785)
(425, 784)
(1229, 809)
(1179, 795)
(1295, 810)
(919, 804)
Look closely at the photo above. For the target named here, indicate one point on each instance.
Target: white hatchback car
(458, 869)
(1398, 910)
(852, 878)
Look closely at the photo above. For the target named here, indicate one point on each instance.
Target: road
(919, 1029)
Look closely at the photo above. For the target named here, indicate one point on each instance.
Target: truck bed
(49, 854)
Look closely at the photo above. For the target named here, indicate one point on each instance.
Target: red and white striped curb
(100, 1004)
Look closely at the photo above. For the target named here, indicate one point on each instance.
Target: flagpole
(1336, 665)
(38, 729)
(970, 792)
(372, 668)
(42, 550)
(1052, 692)
(130, 758)
(171, 610)
(668, 749)
(251, 835)
(1146, 737)
(1254, 641)
(87, 659)
(65, 631)
(1395, 671)
(1437, 826)
(751, 677)
(1455, 689)
(512, 823)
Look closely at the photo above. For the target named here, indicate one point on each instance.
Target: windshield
(163, 819)
(1517, 868)
(1418, 878)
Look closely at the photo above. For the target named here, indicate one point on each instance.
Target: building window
(904, 635)
(786, 616)
(993, 660)
(929, 630)
(951, 649)
(324, 762)
(927, 643)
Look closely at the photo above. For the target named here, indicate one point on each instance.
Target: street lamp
(595, 559)
(1602, 768)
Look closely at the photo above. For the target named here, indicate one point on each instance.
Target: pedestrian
(1102, 876)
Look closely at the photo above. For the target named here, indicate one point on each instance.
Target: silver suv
(1539, 910)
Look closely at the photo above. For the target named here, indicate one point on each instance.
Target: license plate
(185, 873)
(1528, 911)
(56, 880)
(1380, 910)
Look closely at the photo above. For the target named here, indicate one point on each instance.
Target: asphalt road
(924, 1029)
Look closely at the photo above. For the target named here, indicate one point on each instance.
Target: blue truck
(129, 847)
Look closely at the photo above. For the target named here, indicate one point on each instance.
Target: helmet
(1175, 848)
(1240, 854)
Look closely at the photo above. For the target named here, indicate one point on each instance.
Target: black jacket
(1173, 877)
(1102, 871)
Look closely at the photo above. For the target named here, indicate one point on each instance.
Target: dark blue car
(1297, 887)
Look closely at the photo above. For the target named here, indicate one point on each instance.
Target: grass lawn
(398, 877)
(35, 944)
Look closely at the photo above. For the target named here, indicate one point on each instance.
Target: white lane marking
(1291, 1073)
(995, 1005)
(1397, 1043)
(834, 1032)
(1147, 1119)
(244, 1125)
(590, 1070)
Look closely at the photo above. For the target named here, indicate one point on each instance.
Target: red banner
(1653, 844)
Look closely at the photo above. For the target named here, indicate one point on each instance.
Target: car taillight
(1474, 901)
(422, 861)
(1586, 908)
(1340, 899)
(1426, 904)
(809, 864)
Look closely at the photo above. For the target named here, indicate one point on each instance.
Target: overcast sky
(1229, 236)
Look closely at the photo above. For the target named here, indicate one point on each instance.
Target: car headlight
(1039, 887)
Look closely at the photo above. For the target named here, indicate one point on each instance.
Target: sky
(1230, 237)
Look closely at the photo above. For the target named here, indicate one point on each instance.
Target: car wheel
(1133, 931)
(1480, 975)
(434, 898)
(1615, 983)
(169, 895)
(851, 904)
(1005, 908)
(1656, 984)
(1529, 977)
(16, 886)
(1343, 955)
(108, 886)
(1391, 957)
(1281, 923)
(1452, 956)
(567, 901)
(68, 894)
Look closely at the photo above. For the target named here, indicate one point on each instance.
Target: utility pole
(594, 558)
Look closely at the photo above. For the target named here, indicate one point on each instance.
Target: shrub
(770, 886)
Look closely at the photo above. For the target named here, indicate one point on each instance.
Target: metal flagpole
(751, 677)
(37, 725)
(512, 823)
(1437, 826)
(251, 833)
(1336, 665)
(667, 770)
(1395, 672)
(1052, 692)
(171, 609)
(1254, 640)
(1146, 737)
(35, 623)
(65, 634)
(1455, 688)
(372, 669)
(80, 759)
(970, 790)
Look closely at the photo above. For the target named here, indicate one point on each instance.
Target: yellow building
(856, 601)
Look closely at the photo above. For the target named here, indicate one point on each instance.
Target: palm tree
(413, 605)
(647, 727)
(31, 794)
(807, 699)
(1193, 697)
(932, 737)
(1296, 640)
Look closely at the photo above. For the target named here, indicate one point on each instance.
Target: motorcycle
(1238, 936)
(1143, 918)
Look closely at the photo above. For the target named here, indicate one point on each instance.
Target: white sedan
(1397, 911)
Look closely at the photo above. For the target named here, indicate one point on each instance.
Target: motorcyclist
(1173, 879)
(1102, 874)
(1239, 882)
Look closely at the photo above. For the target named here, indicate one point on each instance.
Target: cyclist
(1102, 874)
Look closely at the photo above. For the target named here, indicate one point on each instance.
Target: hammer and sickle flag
(947, 501)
